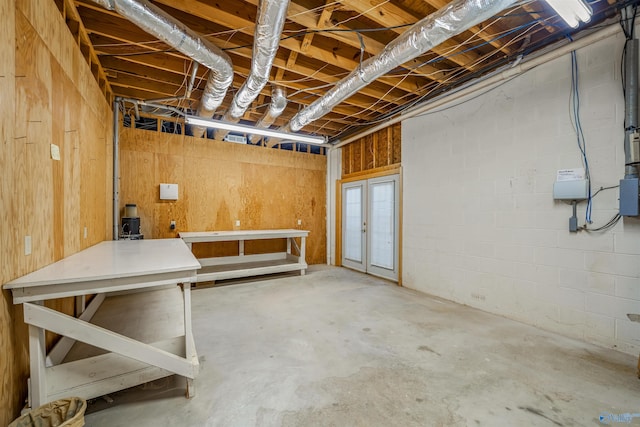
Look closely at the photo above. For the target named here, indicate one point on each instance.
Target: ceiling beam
(348, 35)
(175, 62)
(237, 21)
(388, 14)
(115, 27)
(154, 65)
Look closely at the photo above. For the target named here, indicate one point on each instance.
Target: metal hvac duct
(269, 24)
(158, 23)
(276, 107)
(454, 18)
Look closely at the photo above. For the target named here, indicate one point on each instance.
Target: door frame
(364, 175)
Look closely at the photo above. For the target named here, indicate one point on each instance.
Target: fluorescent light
(572, 11)
(235, 127)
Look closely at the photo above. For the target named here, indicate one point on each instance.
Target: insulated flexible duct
(454, 18)
(269, 24)
(276, 107)
(158, 23)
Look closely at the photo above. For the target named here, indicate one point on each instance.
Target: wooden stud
(389, 146)
(306, 42)
(374, 150)
(74, 27)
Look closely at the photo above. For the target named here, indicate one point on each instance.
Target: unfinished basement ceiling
(321, 43)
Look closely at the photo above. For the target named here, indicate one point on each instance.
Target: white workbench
(230, 267)
(126, 269)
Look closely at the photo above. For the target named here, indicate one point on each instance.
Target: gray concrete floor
(339, 348)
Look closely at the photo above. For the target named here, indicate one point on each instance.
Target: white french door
(370, 226)
(354, 223)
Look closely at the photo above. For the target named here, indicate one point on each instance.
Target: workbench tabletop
(114, 259)
(245, 234)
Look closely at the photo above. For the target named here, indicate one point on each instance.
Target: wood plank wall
(219, 183)
(48, 96)
(378, 150)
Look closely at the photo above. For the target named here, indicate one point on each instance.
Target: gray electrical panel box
(571, 190)
(629, 197)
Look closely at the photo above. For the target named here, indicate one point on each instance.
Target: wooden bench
(131, 270)
(241, 265)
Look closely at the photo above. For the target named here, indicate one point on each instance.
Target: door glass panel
(381, 224)
(353, 227)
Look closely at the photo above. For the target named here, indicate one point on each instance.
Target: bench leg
(191, 389)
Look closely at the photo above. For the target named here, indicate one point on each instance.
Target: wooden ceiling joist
(338, 54)
(137, 41)
(322, 42)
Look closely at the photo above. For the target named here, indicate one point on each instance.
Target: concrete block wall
(480, 225)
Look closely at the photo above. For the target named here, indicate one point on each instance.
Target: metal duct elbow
(276, 107)
(158, 23)
(452, 19)
(269, 23)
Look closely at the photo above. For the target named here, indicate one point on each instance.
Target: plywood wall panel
(11, 387)
(57, 171)
(34, 124)
(220, 183)
(44, 101)
(141, 164)
(93, 173)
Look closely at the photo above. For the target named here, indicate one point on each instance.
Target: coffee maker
(130, 224)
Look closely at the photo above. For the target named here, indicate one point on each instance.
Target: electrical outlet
(299, 222)
(27, 245)
(85, 232)
(237, 223)
(172, 225)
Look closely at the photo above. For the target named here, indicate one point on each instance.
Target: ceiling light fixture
(235, 127)
(572, 11)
